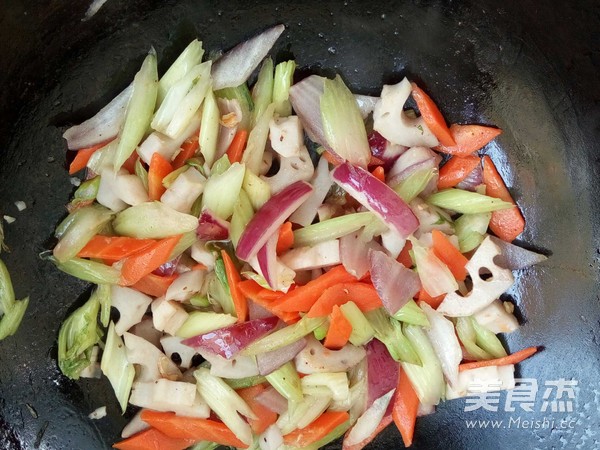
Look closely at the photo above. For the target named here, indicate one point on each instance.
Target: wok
(528, 67)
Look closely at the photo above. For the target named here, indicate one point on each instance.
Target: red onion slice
(305, 97)
(270, 217)
(354, 253)
(167, 269)
(211, 227)
(267, 260)
(272, 400)
(414, 159)
(384, 150)
(229, 341)
(377, 197)
(270, 361)
(382, 371)
(234, 68)
(474, 179)
(394, 283)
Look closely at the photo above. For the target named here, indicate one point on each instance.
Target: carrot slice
(449, 255)
(404, 256)
(339, 330)
(267, 299)
(456, 170)
(469, 139)
(113, 247)
(317, 430)
(129, 164)
(233, 279)
(303, 298)
(266, 417)
(191, 428)
(82, 157)
(385, 421)
(158, 169)
(154, 285)
(363, 294)
(332, 158)
(507, 224)
(406, 405)
(514, 358)
(188, 149)
(432, 116)
(379, 173)
(140, 264)
(152, 439)
(285, 241)
(237, 146)
(434, 302)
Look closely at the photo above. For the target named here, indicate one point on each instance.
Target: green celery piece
(204, 445)
(466, 202)
(119, 371)
(153, 220)
(389, 332)
(12, 318)
(262, 92)
(102, 157)
(362, 331)
(141, 173)
(200, 301)
(428, 379)
(199, 322)
(218, 288)
(242, 94)
(259, 279)
(257, 189)
(3, 246)
(197, 163)
(64, 225)
(487, 340)
(335, 382)
(242, 214)
(209, 131)
(468, 338)
(190, 57)
(286, 381)
(170, 178)
(78, 334)
(321, 331)
(412, 314)
(220, 166)
(470, 230)
(257, 140)
(86, 192)
(332, 228)
(87, 223)
(102, 293)
(343, 124)
(284, 336)
(284, 76)
(196, 208)
(240, 383)
(139, 110)
(414, 184)
(7, 293)
(187, 240)
(336, 433)
(87, 270)
(221, 191)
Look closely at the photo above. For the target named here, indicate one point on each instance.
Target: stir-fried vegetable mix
(290, 262)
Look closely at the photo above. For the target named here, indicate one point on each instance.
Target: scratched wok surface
(526, 66)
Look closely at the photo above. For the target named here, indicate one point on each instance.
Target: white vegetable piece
(145, 354)
(336, 382)
(93, 370)
(131, 304)
(390, 120)
(203, 256)
(107, 190)
(286, 135)
(98, 413)
(323, 254)
(370, 419)
(483, 379)
(239, 367)
(292, 169)
(166, 395)
(314, 358)
(145, 329)
(392, 242)
(172, 344)
(185, 285)
(168, 316)
(184, 191)
(271, 438)
(496, 318)
(484, 292)
(130, 189)
(366, 104)
(135, 425)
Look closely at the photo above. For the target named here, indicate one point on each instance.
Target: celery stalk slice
(487, 340)
(466, 334)
(153, 220)
(332, 228)
(414, 184)
(12, 318)
(466, 202)
(257, 140)
(412, 314)
(7, 293)
(222, 191)
(362, 331)
(209, 131)
(284, 75)
(287, 382)
(262, 92)
(190, 57)
(242, 214)
(119, 371)
(87, 270)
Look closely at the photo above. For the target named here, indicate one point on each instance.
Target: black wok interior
(528, 67)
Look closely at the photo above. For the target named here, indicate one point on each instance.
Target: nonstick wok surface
(526, 66)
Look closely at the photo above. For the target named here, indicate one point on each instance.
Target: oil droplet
(321, 35)
(332, 50)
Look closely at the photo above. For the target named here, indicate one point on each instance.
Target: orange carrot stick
(188, 150)
(191, 428)
(404, 256)
(332, 158)
(113, 247)
(514, 358)
(237, 146)
(317, 430)
(266, 417)
(456, 170)
(406, 405)
(434, 302)
(233, 279)
(339, 330)
(363, 294)
(449, 255)
(267, 299)
(82, 157)
(152, 439)
(507, 224)
(129, 164)
(379, 173)
(432, 116)
(158, 169)
(285, 241)
(154, 285)
(302, 298)
(140, 264)
(469, 139)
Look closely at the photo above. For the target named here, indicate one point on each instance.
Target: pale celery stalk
(119, 371)
(466, 202)
(102, 293)
(389, 331)
(301, 414)
(218, 288)
(262, 92)
(284, 75)
(141, 173)
(204, 445)
(332, 228)
(258, 190)
(362, 331)
(257, 140)
(221, 191)
(487, 340)
(86, 192)
(12, 318)
(199, 301)
(286, 381)
(412, 314)
(321, 331)
(190, 57)
(285, 336)
(170, 178)
(470, 230)
(242, 214)
(153, 220)
(242, 95)
(335, 382)
(414, 184)
(7, 293)
(139, 110)
(220, 165)
(209, 131)
(103, 157)
(241, 383)
(199, 322)
(468, 338)
(187, 240)
(86, 270)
